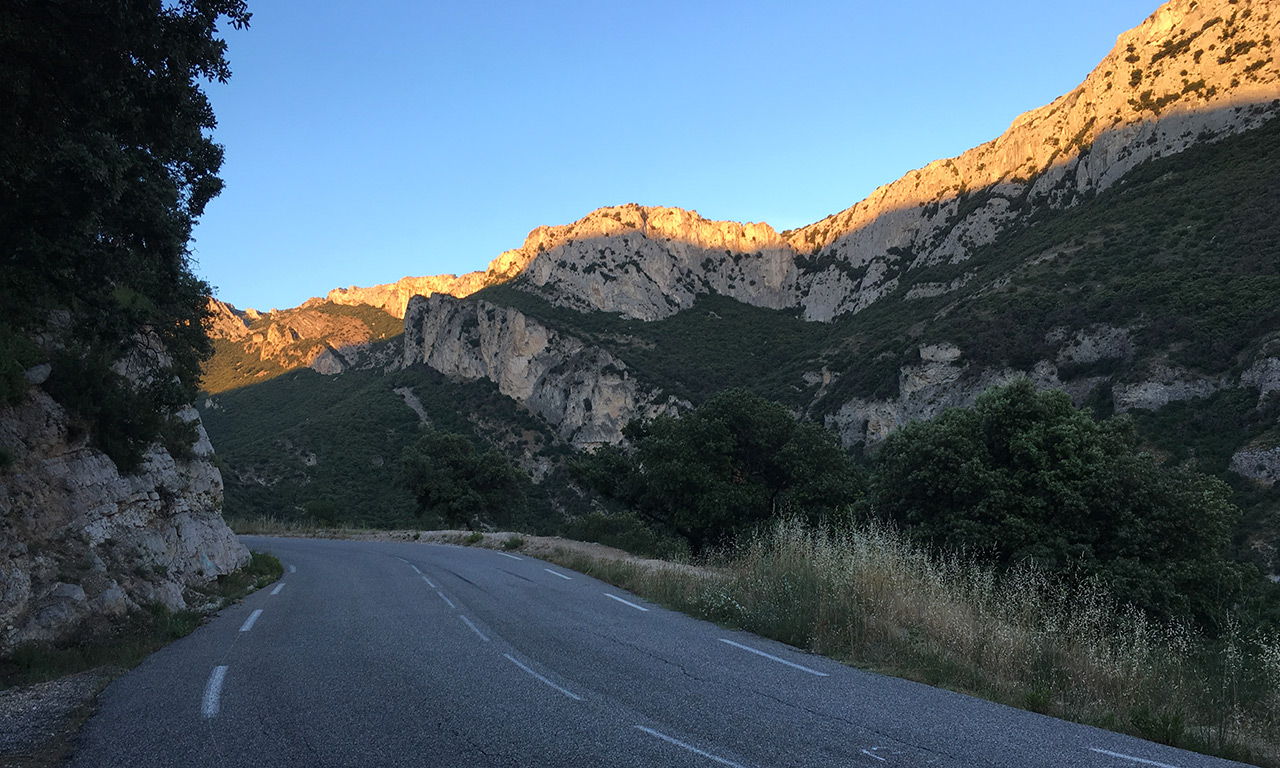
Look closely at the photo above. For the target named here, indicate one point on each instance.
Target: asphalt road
(378, 654)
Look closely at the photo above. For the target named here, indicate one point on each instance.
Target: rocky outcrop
(393, 298)
(1258, 463)
(649, 263)
(80, 542)
(581, 389)
(225, 322)
(1191, 72)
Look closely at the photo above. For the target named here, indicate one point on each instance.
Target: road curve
(381, 654)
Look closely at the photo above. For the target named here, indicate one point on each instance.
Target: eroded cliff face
(393, 298)
(584, 391)
(649, 263)
(1191, 72)
(80, 543)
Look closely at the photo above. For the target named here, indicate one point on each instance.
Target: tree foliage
(721, 469)
(1024, 476)
(450, 478)
(107, 160)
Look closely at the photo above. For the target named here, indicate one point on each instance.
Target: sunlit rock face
(1193, 71)
(393, 298)
(649, 263)
(81, 543)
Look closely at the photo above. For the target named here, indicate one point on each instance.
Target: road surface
(381, 654)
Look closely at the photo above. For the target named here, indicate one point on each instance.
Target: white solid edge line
(1131, 757)
(210, 704)
(627, 602)
(447, 600)
(473, 627)
(279, 587)
(430, 583)
(561, 575)
(248, 623)
(775, 658)
(293, 569)
(689, 747)
(515, 661)
(513, 557)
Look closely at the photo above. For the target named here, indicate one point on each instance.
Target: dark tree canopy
(1023, 475)
(715, 472)
(450, 478)
(106, 160)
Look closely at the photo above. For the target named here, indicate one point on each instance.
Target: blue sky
(369, 141)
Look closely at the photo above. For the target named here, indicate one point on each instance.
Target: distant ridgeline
(1119, 244)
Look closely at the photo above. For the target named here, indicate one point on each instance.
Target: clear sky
(368, 141)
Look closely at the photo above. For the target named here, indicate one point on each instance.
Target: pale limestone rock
(582, 390)
(1167, 384)
(393, 298)
(1261, 464)
(65, 509)
(1264, 376)
(226, 323)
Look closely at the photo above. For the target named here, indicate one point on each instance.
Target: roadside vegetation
(1018, 550)
(123, 644)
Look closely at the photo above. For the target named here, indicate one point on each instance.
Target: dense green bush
(451, 478)
(735, 461)
(1025, 477)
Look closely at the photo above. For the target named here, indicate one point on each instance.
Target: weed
(475, 537)
(514, 541)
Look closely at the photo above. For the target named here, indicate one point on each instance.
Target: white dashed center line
(775, 658)
(513, 557)
(689, 747)
(248, 623)
(627, 602)
(1130, 758)
(279, 587)
(415, 569)
(561, 575)
(473, 627)
(293, 569)
(570, 694)
(447, 601)
(430, 583)
(210, 704)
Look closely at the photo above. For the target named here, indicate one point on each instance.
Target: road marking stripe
(689, 747)
(1130, 757)
(248, 623)
(627, 602)
(561, 575)
(447, 600)
(279, 587)
(570, 694)
(210, 705)
(473, 627)
(430, 583)
(774, 658)
(874, 756)
(293, 569)
(513, 557)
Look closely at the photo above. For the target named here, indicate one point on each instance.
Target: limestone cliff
(1192, 72)
(393, 298)
(583, 390)
(80, 542)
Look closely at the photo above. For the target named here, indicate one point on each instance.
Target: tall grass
(870, 596)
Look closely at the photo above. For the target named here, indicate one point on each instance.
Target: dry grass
(874, 599)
